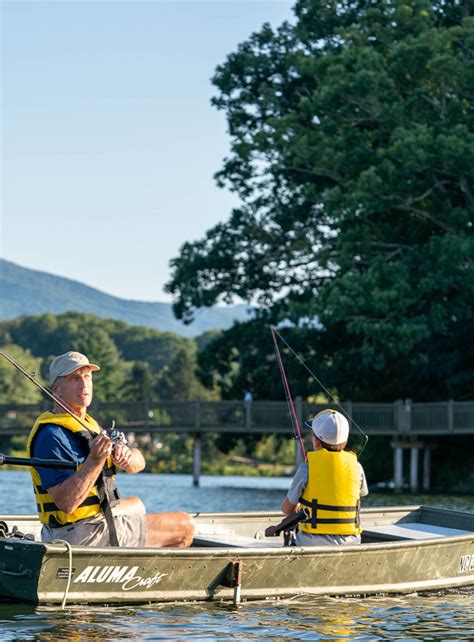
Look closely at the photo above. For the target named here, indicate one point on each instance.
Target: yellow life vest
(332, 493)
(49, 513)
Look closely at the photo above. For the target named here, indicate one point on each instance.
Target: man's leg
(173, 530)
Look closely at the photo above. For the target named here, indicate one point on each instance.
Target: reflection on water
(407, 618)
(413, 617)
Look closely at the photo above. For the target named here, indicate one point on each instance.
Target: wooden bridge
(409, 425)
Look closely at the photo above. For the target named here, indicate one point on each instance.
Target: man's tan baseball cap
(68, 362)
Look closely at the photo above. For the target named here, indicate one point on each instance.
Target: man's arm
(69, 494)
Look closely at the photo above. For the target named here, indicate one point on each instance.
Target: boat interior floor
(231, 540)
(371, 534)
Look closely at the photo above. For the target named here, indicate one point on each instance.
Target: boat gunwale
(248, 551)
(222, 551)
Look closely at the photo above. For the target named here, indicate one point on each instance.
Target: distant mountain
(30, 292)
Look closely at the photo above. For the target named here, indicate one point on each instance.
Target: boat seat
(231, 540)
(411, 530)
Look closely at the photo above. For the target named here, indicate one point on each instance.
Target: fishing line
(329, 394)
(289, 399)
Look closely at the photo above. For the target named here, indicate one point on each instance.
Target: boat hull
(49, 573)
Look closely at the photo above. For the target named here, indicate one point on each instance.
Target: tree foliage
(14, 386)
(135, 361)
(352, 151)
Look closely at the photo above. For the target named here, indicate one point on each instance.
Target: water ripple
(406, 619)
(409, 618)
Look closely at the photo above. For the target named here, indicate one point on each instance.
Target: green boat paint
(404, 549)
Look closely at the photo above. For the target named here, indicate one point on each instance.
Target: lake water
(409, 618)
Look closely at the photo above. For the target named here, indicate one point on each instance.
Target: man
(82, 506)
(330, 485)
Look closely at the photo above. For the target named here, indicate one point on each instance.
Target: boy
(330, 485)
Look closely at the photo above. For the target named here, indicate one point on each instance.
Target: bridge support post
(427, 468)
(197, 450)
(413, 469)
(398, 468)
(197, 459)
(414, 446)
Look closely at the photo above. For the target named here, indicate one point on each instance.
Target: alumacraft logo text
(125, 575)
(466, 563)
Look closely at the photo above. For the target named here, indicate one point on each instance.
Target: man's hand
(100, 447)
(70, 493)
(128, 459)
(121, 456)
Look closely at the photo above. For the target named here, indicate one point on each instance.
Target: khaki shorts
(131, 531)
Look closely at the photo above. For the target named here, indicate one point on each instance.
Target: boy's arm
(288, 507)
(364, 489)
(296, 489)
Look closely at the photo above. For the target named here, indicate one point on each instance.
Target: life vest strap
(328, 506)
(102, 492)
(324, 520)
(50, 507)
(314, 520)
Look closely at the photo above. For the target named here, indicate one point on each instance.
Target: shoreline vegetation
(268, 471)
(221, 464)
(176, 457)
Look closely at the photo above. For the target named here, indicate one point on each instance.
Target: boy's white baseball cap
(331, 427)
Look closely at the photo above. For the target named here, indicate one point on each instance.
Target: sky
(109, 143)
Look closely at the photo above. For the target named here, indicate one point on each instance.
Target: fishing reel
(115, 435)
(287, 526)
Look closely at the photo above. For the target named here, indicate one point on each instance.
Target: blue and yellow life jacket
(48, 512)
(332, 493)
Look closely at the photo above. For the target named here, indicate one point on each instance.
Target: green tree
(132, 358)
(157, 348)
(177, 381)
(15, 387)
(352, 151)
(138, 382)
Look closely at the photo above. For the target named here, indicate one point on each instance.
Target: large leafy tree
(352, 151)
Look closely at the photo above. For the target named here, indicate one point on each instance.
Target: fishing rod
(288, 395)
(36, 462)
(275, 333)
(43, 389)
(113, 433)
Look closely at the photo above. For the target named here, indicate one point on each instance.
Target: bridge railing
(398, 418)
